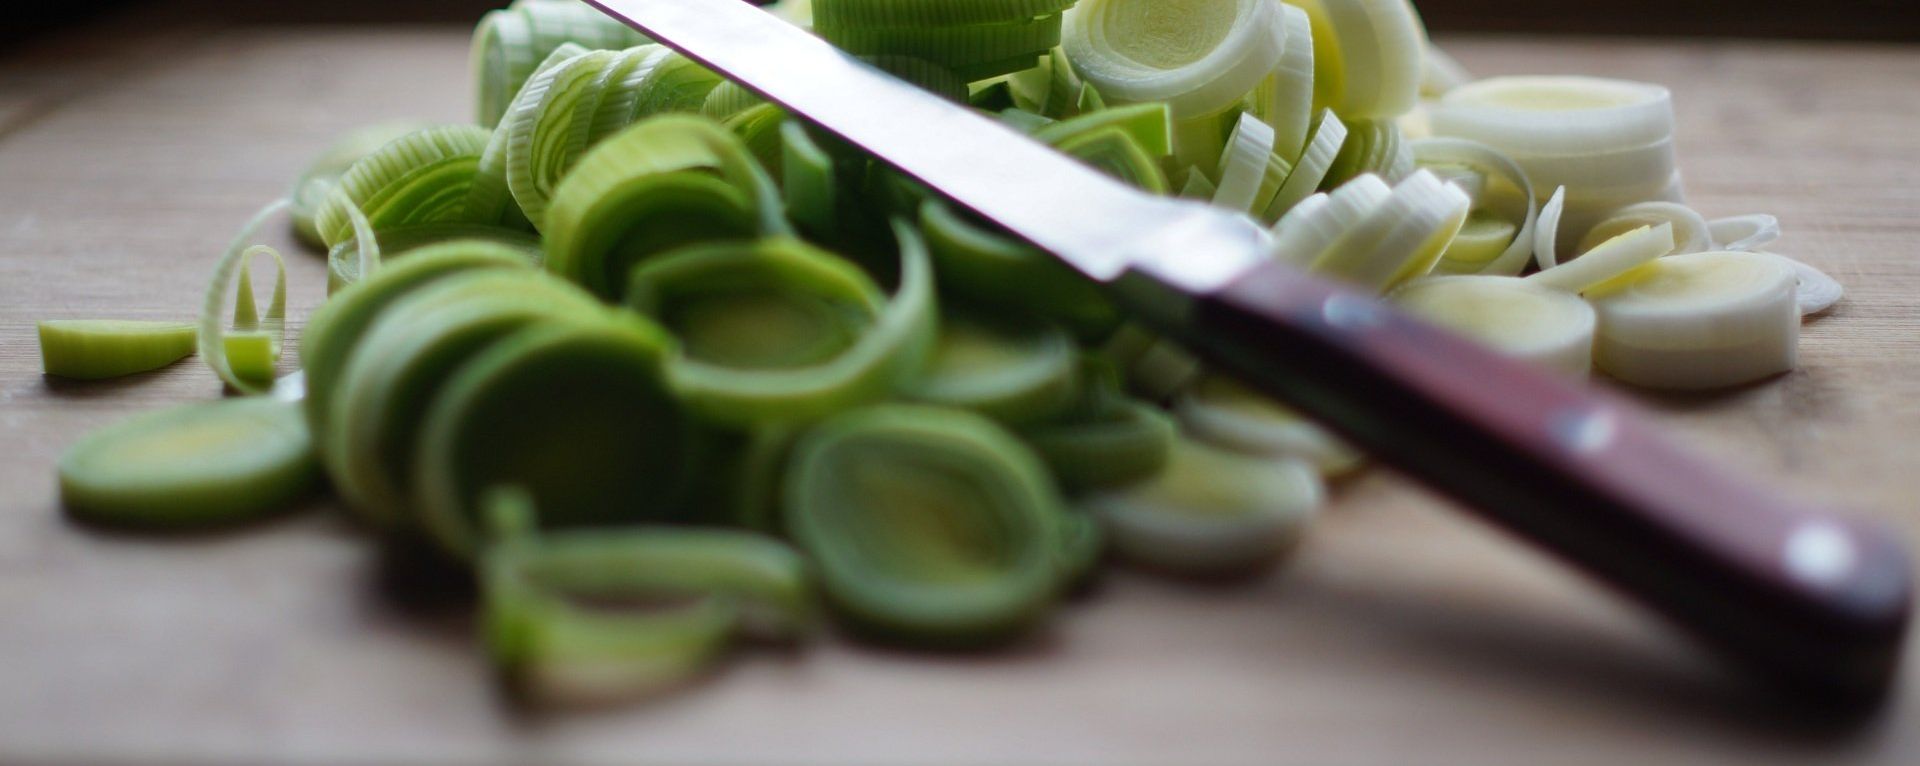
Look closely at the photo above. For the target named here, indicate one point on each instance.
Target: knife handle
(1807, 598)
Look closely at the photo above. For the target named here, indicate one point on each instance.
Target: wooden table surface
(1404, 632)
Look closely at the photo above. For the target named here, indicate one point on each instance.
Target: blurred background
(1892, 20)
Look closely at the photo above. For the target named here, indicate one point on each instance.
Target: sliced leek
(1244, 165)
(1556, 115)
(343, 261)
(1200, 57)
(232, 275)
(314, 185)
(196, 465)
(1311, 227)
(992, 269)
(927, 525)
(1008, 368)
(423, 177)
(1367, 56)
(1210, 511)
(1401, 238)
(1225, 414)
(577, 413)
(1476, 255)
(1518, 317)
(1611, 258)
(1310, 172)
(1701, 320)
(510, 43)
(92, 349)
(1285, 100)
(1744, 232)
(1814, 290)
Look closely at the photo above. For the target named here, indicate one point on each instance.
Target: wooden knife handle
(1811, 599)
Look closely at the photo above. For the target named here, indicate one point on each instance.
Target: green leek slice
(423, 177)
(1013, 369)
(92, 349)
(1147, 124)
(233, 272)
(338, 326)
(976, 51)
(205, 464)
(579, 414)
(343, 261)
(807, 180)
(510, 43)
(927, 525)
(1225, 414)
(991, 269)
(919, 13)
(1110, 440)
(777, 330)
(668, 181)
(314, 185)
(1210, 512)
(1115, 152)
(406, 358)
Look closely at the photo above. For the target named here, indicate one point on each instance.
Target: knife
(1815, 602)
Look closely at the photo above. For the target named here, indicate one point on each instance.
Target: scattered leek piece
(1011, 369)
(92, 349)
(1523, 318)
(197, 465)
(1225, 414)
(1616, 256)
(1476, 254)
(1107, 439)
(927, 525)
(1210, 512)
(1701, 320)
(234, 267)
(1691, 233)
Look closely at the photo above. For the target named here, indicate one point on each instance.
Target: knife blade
(1809, 599)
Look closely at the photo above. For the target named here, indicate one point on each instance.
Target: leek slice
(994, 270)
(1700, 320)
(548, 125)
(1107, 439)
(1401, 238)
(315, 184)
(1367, 62)
(197, 465)
(1546, 233)
(1285, 100)
(667, 181)
(423, 177)
(779, 331)
(1617, 255)
(1814, 290)
(235, 267)
(807, 180)
(1244, 165)
(1512, 258)
(1210, 511)
(927, 525)
(1521, 318)
(1009, 368)
(1147, 124)
(728, 99)
(1310, 172)
(1372, 146)
(918, 13)
(1313, 226)
(1201, 57)
(510, 43)
(975, 51)
(1225, 414)
(93, 349)
(1744, 232)
(1479, 244)
(343, 261)
(577, 413)
(1556, 115)
(338, 326)
(1117, 154)
(406, 358)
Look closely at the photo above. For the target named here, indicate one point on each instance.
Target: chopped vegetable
(91, 349)
(196, 465)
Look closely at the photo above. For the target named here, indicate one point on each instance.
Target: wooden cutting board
(1403, 633)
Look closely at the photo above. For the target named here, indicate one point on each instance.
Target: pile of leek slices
(670, 370)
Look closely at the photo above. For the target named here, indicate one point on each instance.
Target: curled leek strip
(343, 261)
(1310, 173)
(234, 267)
(1201, 57)
(1815, 291)
(1744, 232)
(337, 327)
(777, 330)
(423, 177)
(314, 185)
(197, 465)
(406, 357)
(1546, 232)
(1511, 259)
(1285, 100)
(807, 180)
(1225, 414)
(578, 413)
(1519, 317)
(1210, 512)
(991, 269)
(510, 43)
(94, 349)
(927, 525)
(1013, 370)
(1367, 56)
(1700, 320)
(1690, 231)
(1612, 258)
(668, 181)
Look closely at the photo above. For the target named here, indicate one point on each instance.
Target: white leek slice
(1244, 164)
(1285, 100)
(1691, 233)
(1226, 414)
(1311, 227)
(1210, 511)
(1518, 317)
(1478, 245)
(1440, 73)
(1367, 56)
(1401, 239)
(1633, 173)
(1697, 321)
(1199, 56)
(1618, 255)
(1815, 291)
(1555, 115)
(1547, 230)
(1744, 232)
(1322, 149)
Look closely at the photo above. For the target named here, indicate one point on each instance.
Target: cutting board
(1402, 633)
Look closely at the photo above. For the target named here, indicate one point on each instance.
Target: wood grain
(1404, 633)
